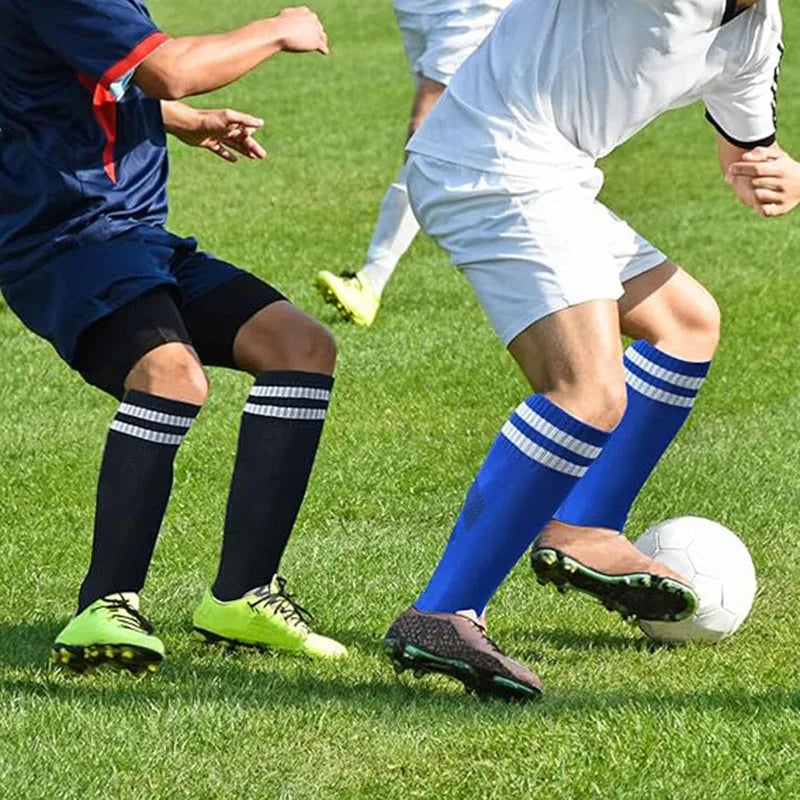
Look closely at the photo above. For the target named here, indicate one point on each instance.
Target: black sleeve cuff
(766, 142)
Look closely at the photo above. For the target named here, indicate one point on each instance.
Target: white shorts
(438, 44)
(527, 253)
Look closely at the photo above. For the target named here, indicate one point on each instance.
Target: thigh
(214, 318)
(108, 349)
(574, 346)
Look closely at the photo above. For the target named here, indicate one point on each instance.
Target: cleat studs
(108, 652)
(128, 655)
(547, 557)
(152, 668)
(570, 566)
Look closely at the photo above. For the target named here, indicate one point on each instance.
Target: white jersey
(560, 83)
(444, 6)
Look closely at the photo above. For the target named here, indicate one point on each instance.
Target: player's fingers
(767, 197)
(771, 210)
(323, 44)
(763, 169)
(219, 149)
(233, 117)
(773, 184)
(247, 147)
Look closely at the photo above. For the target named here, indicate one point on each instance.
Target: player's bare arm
(222, 131)
(192, 65)
(770, 177)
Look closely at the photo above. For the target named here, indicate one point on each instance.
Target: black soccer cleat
(457, 646)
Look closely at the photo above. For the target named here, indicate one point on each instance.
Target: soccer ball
(720, 569)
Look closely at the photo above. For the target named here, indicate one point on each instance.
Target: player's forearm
(177, 116)
(194, 65)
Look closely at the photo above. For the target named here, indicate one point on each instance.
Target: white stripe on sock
(560, 437)
(675, 378)
(539, 454)
(145, 433)
(654, 393)
(294, 392)
(155, 416)
(284, 412)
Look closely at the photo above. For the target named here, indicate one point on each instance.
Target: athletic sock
(540, 454)
(278, 440)
(661, 392)
(394, 232)
(132, 492)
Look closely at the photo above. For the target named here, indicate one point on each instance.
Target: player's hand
(767, 180)
(224, 132)
(302, 31)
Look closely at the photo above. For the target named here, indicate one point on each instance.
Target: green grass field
(418, 401)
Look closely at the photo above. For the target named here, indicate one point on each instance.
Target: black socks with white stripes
(132, 492)
(278, 439)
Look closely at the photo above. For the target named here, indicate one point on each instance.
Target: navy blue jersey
(82, 149)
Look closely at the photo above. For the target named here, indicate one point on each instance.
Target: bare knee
(281, 337)
(599, 402)
(703, 318)
(671, 310)
(172, 371)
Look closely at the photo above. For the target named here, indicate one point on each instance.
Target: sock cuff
(553, 438)
(310, 380)
(290, 395)
(692, 369)
(663, 378)
(154, 419)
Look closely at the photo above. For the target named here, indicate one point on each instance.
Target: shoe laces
(125, 614)
(282, 603)
(485, 636)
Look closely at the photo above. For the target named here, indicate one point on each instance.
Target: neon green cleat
(110, 631)
(354, 296)
(266, 617)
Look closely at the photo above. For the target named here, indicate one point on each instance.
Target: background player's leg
(676, 324)
(397, 226)
(573, 359)
(358, 297)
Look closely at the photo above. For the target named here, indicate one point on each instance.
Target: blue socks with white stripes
(540, 455)
(278, 440)
(133, 491)
(661, 393)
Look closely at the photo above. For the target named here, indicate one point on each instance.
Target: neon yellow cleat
(266, 617)
(110, 631)
(352, 295)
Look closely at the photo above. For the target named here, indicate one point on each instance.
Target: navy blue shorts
(64, 296)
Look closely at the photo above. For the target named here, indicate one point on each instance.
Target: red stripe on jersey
(134, 58)
(104, 104)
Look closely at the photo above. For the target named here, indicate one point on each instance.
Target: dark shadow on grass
(266, 681)
(525, 641)
(27, 644)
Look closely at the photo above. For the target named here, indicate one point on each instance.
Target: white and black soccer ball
(720, 569)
